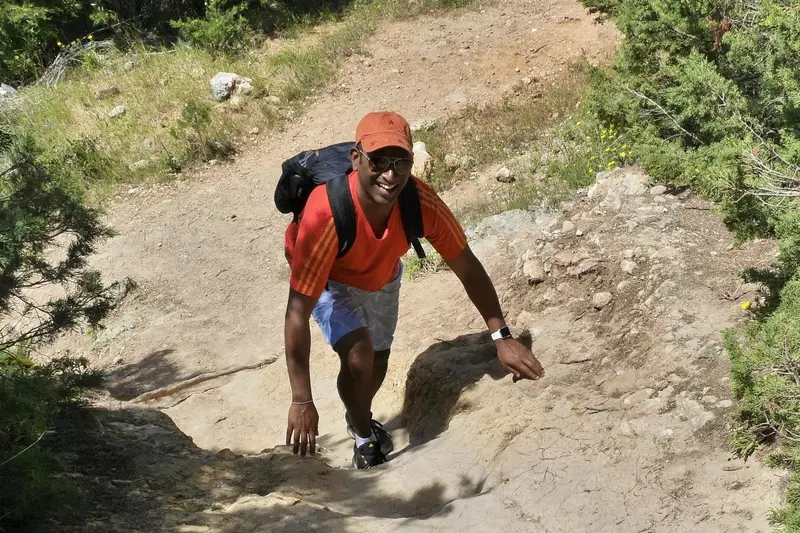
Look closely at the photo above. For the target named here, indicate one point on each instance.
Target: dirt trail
(625, 434)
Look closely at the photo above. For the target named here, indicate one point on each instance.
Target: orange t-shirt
(312, 244)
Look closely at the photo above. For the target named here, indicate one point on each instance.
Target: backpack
(331, 165)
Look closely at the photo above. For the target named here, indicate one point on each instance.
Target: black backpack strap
(344, 211)
(411, 213)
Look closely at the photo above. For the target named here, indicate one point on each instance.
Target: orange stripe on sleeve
(317, 255)
(316, 273)
(444, 214)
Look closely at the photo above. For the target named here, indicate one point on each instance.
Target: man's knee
(355, 351)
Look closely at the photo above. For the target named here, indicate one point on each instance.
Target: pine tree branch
(664, 112)
(34, 443)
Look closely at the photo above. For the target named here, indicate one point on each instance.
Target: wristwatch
(502, 333)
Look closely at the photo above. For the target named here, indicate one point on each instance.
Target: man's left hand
(518, 359)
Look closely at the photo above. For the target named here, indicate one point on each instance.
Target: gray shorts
(342, 309)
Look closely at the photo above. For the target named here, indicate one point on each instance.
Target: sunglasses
(381, 164)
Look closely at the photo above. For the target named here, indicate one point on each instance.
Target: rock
(224, 84)
(255, 131)
(533, 269)
(467, 162)
(658, 190)
(668, 252)
(675, 379)
(226, 454)
(526, 81)
(141, 164)
(102, 94)
(724, 404)
(129, 65)
(236, 102)
(504, 175)
(623, 285)
(701, 419)
(213, 162)
(568, 226)
(7, 90)
(638, 397)
(563, 258)
(626, 429)
(628, 254)
(244, 87)
(452, 162)
(627, 266)
(501, 224)
(117, 112)
(584, 267)
(602, 299)
(272, 99)
(579, 233)
(525, 320)
(147, 144)
(656, 405)
(423, 163)
(576, 357)
(709, 399)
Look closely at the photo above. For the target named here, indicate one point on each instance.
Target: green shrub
(221, 31)
(42, 211)
(36, 401)
(709, 92)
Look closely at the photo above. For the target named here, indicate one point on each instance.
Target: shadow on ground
(156, 370)
(437, 378)
(139, 472)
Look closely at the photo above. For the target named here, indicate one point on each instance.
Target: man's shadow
(437, 378)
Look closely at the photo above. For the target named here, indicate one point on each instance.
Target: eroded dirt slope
(626, 433)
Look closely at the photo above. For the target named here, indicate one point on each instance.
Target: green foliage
(220, 31)
(194, 127)
(46, 236)
(708, 92)
(36, 401)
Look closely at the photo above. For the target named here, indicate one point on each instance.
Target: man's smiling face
(382, 174)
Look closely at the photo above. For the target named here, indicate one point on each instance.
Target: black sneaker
(368, 455)
(383, 436)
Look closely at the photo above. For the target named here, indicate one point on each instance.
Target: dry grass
(159, 84)
(529, 124)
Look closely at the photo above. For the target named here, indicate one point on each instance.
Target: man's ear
(354, 157)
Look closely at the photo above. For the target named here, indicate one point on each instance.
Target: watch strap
(502, 333)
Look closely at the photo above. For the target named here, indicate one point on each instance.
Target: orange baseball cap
(380, 129)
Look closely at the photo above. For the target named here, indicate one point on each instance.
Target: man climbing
(354, 298)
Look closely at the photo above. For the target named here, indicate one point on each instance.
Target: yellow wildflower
(91, 37)
(746, 305)
(58, 43)
(16, 58)
(579, 123)
(622, 155)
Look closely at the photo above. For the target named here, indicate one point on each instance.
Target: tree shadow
(152, 372)
(437, 378)
(138, 472)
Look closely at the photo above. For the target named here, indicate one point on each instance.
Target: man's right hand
(303, 429)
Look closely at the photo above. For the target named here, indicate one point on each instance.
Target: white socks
(363, 440)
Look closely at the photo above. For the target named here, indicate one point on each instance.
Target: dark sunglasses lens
(403, 166)
(380, 163)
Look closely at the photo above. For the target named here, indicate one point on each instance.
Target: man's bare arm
(303, 424)
(514, 356)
